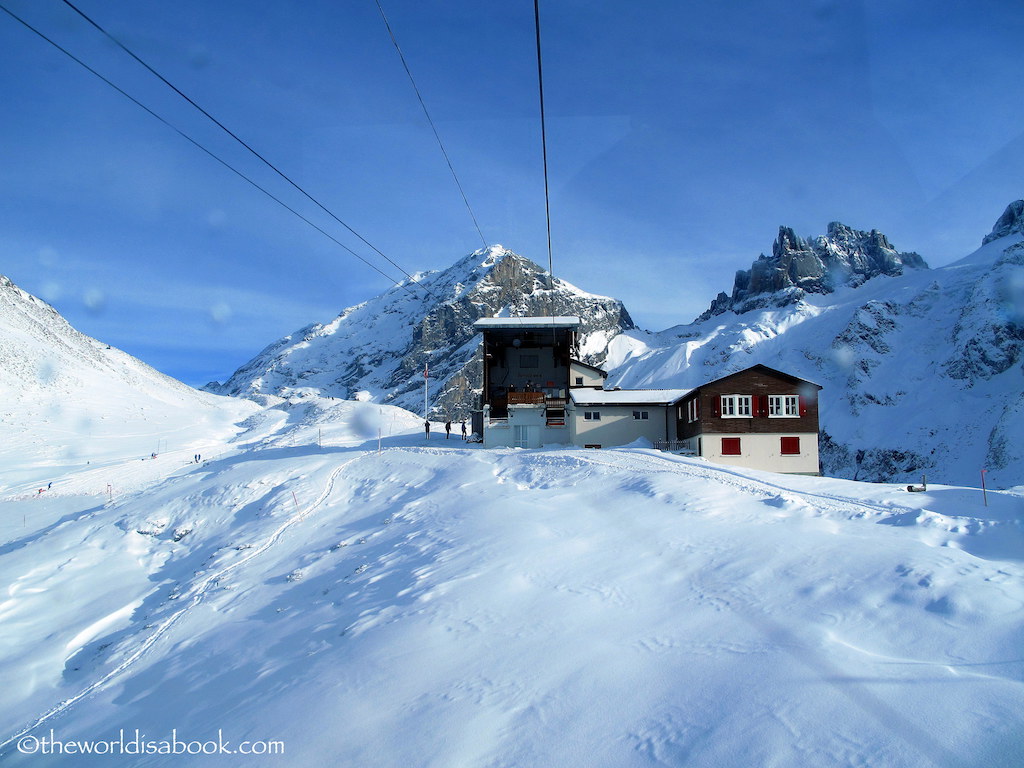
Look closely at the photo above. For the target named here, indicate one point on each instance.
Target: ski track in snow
(196, 595)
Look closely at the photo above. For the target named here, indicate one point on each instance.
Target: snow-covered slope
(67, 400)
(922, 372)
(436, 604)
(379, 348)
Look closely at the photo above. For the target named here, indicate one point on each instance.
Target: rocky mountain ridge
(842, 257)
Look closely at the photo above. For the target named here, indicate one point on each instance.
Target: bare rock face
(797, 266)
(379, 349)
(1011, 222)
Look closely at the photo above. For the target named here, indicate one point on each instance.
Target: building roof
(523, 323)
(627, 396)
(593, 368)
(765, 369)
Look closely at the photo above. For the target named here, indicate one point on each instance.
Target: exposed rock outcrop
(797, 266)
(1011, 222)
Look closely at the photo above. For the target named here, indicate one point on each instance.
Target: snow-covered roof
(527, 322)
(627, 396)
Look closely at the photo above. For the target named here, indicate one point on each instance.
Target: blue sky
(681, 136)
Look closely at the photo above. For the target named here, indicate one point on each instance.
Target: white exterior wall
(762, 452)
(590, 378)
(532, 431)
(617, 425)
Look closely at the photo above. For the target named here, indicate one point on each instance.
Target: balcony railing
(525, 398)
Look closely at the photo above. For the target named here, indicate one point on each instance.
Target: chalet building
(535, 392)
(758, 418)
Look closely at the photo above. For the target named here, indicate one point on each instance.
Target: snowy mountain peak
(379, 348)
(798, 266)
(1011, 222)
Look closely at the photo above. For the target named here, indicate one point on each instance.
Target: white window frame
(591, 415)
(691, 411)
(641, 415)
(783, 406)
(737, 407)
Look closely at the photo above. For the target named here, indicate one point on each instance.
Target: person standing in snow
(447, 429)
(426, 426)
(463, 430)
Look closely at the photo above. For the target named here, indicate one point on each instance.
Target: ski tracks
(193, 597)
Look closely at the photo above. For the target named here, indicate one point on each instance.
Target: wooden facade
(759, 383)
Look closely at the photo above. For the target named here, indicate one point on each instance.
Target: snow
(627, 396)
(318, 572)
(516, 323)
(428, 602)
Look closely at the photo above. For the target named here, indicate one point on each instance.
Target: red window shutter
(803, 405)
(716, 405)
(790, 446)
(762, 405)
(730, 446)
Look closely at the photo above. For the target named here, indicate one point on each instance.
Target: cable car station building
(526, 379)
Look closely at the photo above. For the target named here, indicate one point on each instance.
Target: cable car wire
(205, 150)
(543, 141)
(234, 136)
(433, 127)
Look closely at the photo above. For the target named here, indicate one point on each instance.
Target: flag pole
(425, 378)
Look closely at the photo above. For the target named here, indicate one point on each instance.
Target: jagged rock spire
(1011, 222)
(797, 266)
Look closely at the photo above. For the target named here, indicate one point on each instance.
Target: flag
(425, 371)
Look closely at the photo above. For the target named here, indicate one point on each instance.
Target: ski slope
(330, 580)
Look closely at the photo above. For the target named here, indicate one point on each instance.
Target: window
(790, 446)
(529, 361)
(641, 415)
(592, 445)
(591, 415)
(731, 446)
(579, 381)
(783, 406)
(691, 410)
(736, 406)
